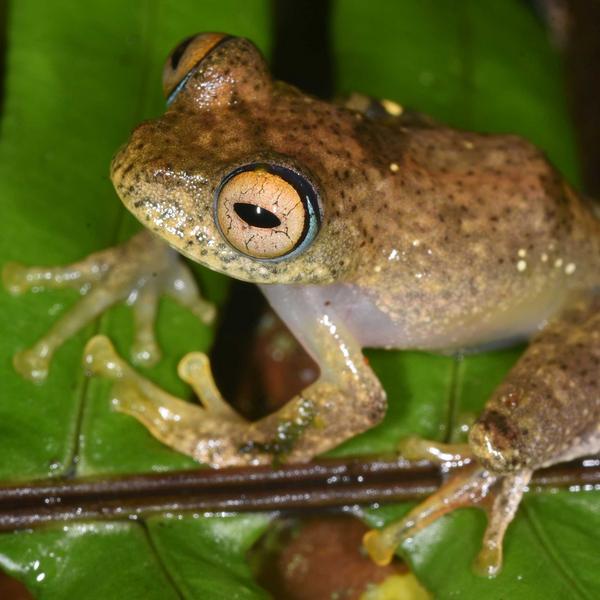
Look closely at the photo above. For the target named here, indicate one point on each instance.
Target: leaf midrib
(147, 18)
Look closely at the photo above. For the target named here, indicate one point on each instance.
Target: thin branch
(316, 485)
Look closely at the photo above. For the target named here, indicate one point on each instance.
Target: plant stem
(317, 485)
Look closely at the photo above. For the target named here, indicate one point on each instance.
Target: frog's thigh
(548, 408)
(138, 271)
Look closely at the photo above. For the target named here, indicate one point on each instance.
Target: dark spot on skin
(499, 426)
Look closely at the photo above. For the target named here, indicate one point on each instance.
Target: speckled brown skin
(548, 408)
(546, 411)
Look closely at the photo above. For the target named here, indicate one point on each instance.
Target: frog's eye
(184, 58)
(267, 211)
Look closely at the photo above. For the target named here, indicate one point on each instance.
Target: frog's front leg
(138, 271)
(345, 400)
(546, 411)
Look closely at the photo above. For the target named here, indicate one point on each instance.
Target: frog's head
(214, 177)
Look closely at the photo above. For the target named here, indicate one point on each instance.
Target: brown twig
(320, 484)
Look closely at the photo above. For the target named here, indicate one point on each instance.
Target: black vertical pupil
(179, 51)
(256, 216)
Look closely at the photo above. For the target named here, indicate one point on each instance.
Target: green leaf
(207, 557)
(184, 558)
(90, 560)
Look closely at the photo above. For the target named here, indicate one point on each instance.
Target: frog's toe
(498, 495)
(206, 312)
(32, 363)
(126, 398)
(14, 278)
(18, 278)
(145, 353)
(182, 287)
(145, 350)
(194, 369)
(416, 448)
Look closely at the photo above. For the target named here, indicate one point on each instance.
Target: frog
(364, 225)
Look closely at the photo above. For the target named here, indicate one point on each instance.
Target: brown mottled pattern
(548, 408)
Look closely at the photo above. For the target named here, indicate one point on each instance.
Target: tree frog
(365, 226)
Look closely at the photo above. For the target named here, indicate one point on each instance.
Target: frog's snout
(130, 156)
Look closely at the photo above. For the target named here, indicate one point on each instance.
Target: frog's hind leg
(498, 495)
(547, 410)
(138, 271)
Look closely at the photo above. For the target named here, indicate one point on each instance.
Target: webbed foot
(138, 272)
(498, 495)
(210, 432)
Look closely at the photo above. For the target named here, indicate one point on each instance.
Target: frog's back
(474, 238)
